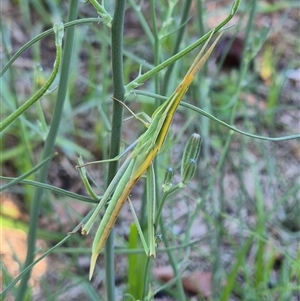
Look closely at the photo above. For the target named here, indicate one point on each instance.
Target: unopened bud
(191, 151)
(188, 172)
(158, 238)
(169, 175)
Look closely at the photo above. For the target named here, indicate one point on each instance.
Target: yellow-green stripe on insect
(149, 143)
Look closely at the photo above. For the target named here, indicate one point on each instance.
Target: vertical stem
(118, 88)
(184, 19)
(218, 208)
(156, 45)
(202, 100)
(48, 149)
(179, 288)
(200, 11)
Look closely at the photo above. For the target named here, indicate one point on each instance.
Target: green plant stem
(200, 14)
(27, 174)
(43, 35)
(118, 88)
(156, 44)
(179, 287)
(86, 183)
(180, 291)
(142, 78)
(30, 266)
(23, 133)
(141, 18)
(202, 96)
(48, 149)
(20, 110)
(231, 278)
(213, 118)
(162, 202)
(146, 276)
(51, 188)
(217, 209)
(184, 19)
(107, 19)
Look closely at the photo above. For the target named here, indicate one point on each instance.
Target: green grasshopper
(148, 145)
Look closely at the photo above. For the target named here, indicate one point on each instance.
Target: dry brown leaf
(197, 283)
(14, 245)
(13, 254)
(9, 208)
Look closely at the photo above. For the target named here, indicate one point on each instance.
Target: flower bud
(188, 171)
(158, 238)
(191, 151)
(169, 175)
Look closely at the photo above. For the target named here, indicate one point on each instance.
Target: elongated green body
(139, 160)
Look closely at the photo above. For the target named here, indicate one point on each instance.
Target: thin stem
(179, 287)
(26, 174)
(107, 19)
(142, 78)
(156, 44)
(48, 150)
(29, 267)
(54, 189)
(218, 208)
(43, 35)
(118, 88)
(137, 9)
(20, 110)
(213, 118)
(203, 89)
(184, 19)
(148, 266)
